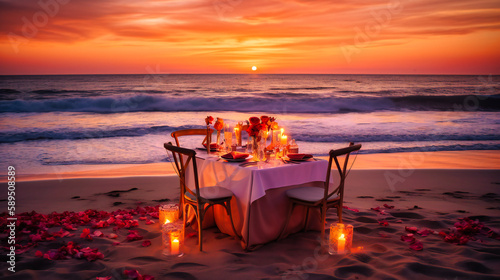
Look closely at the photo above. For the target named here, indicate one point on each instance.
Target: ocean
(73, 121)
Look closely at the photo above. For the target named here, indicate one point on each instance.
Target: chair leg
(184, 221)
(307, 219)
(228, 210)
(339, 213)
(287, 220)
(200, 231)
(181, 201)
(323, 221)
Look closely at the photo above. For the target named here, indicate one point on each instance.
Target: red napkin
(212, 146)
(299, 156)
(235, 155)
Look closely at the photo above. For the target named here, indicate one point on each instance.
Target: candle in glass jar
(284, 139)
(237, 133)
(341, 244)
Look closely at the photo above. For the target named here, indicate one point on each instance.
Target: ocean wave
(410, 137)
(68, 134)
(275, 104)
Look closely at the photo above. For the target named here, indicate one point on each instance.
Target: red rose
(209, 120)
(264, 119)
(254, 120)
(254, 130)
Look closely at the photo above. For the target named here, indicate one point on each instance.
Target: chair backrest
(185, 132)
(182, 165)
(334, 154)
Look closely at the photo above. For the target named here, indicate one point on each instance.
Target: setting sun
(254, 68)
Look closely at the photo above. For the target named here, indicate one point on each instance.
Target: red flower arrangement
(256, 125)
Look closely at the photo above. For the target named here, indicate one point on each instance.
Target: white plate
(238, 159)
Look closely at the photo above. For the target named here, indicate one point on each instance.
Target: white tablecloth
(249, 184)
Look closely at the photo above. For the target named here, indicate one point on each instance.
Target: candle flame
(342, 236)
(167, 221)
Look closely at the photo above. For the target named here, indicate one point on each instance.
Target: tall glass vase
(218, 138)
(255, 148)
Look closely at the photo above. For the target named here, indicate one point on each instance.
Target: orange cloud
(228, 36)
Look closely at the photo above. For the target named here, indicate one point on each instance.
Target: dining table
(259, 206)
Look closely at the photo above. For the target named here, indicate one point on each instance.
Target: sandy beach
(404, 208)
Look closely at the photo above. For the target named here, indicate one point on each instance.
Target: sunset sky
(231, 36)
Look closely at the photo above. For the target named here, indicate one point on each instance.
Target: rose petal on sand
(388, 206)
(133, 235)
(383, 223)
(411, 229)
(351, 209)
(408, 237)
(417, 245)
(103, 278)
(113, 235)
(425, 232)
(146, 243)
(98, 233)
(86, 234)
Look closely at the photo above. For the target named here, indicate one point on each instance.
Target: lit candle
(167, 221)
(284, 140)
(237, 133)
(341, 244)
(174, 246)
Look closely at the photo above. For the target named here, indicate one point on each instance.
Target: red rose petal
(411, 229)
(383, 223)
(388, 207)
(417, 246)
(407, 238)
(146, 243)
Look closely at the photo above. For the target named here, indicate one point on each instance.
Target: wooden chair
(186, 132)
(199, 199)
(189, 132)
(322, 198)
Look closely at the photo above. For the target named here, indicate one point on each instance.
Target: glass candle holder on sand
(340, 239)
(172, 239)
(169, 213)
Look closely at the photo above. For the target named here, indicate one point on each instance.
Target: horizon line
(392, 74)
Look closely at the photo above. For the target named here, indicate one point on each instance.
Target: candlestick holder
(340, 239)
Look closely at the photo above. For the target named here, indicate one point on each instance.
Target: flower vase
(218, 138)
(255, 148)
(209, 139)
